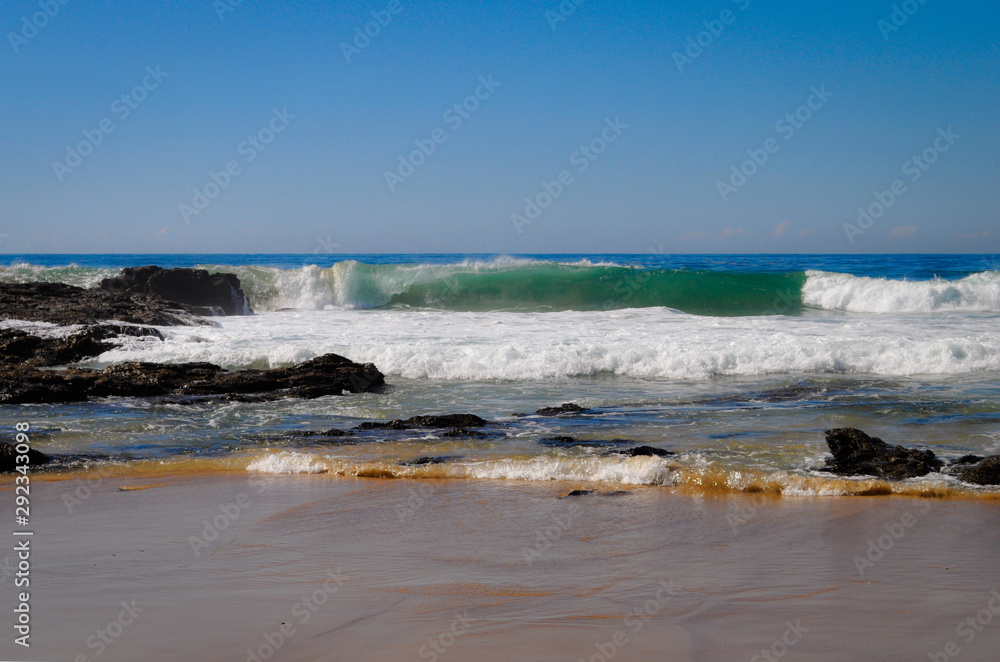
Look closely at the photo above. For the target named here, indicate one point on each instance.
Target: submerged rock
(8, 458)
(457, 421)
(987, 472)
(644, 451)
(576, 493)
(329, 374)
(197, 290)
(857, 454)
(565, 408)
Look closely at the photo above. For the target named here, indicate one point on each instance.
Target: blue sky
(672, 120)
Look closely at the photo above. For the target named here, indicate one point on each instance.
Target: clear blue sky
(657, 185)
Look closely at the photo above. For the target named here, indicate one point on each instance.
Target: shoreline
(413, 555)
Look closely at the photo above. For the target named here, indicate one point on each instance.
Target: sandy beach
(245, 567)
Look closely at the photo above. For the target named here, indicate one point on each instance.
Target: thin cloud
(781, 229)
(904, 231)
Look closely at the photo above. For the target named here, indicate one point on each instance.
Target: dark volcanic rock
(444, 421)
(21, 347)
(200, 292)
(576, 493)
(857, 454)
(59, 303)
(986, 472)
(333, 432)
(642, 451)
(566, 408)
(8, 458)
(968, 459)
(329, 374)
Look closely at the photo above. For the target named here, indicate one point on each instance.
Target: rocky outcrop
(59, 303)
(565, 408)
(20, 347)
(457, 421)
(8, 458)
(987, 472)
(196, 290)
(329, 374)
(857, 454)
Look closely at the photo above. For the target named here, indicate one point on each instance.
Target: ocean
(736, 363)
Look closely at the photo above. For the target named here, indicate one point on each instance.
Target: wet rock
(444, 421)
(615, 493)
(576, 493)
(196, 290)
(326, 375)
(21, 347)
(427, 459)
(647, 451)
(968, 459)
(59, 303)
(565, 408)
(8, 458)
(333, 432)
(857, 454)
(987, 472)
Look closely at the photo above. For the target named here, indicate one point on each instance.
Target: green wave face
(555, 287)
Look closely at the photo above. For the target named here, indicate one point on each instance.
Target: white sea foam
(651, 343)
(836, 291)
(287, 462)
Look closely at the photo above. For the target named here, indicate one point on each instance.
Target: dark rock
(425, 460)
(444, 421)
(329, 374)
(968, 459)
(987, 472)
(643, 451)
(576, 493)
(59, 303)
(857, 454)
(198, 291)
(8, 458)
(566, 408)
(20, 347)
(333, 432)
(615, 493)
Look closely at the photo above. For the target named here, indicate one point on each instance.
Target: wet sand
(370, 569)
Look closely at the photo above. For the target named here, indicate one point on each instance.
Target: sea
(735, 363)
